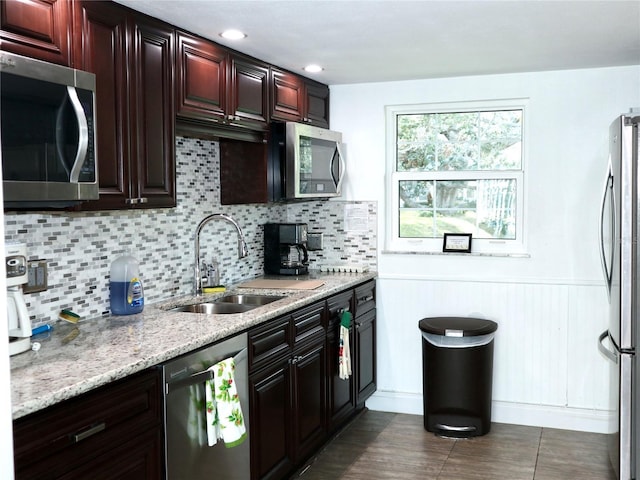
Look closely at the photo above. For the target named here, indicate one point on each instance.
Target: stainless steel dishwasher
(187, 454)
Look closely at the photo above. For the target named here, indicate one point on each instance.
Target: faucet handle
(213, 274)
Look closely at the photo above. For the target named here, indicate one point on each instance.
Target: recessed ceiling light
(313, 68)
(233, 34)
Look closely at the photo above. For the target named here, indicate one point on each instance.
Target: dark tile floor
(380, 445)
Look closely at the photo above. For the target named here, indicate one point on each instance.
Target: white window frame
(394, 243)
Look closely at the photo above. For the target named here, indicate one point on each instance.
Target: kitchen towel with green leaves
(344, 351)
(224, 416)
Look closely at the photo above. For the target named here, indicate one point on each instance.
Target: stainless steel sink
(237, 303)
(249, 299)
(215, 308)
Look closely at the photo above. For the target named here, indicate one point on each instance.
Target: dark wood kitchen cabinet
(113, 432)
(132, 57)
(287, 384)
(39, 29)
(298, 99)
(297, 399)
(216, 86)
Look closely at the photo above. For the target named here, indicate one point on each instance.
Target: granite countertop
(74, 359)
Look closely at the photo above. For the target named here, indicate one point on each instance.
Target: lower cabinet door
(366, 351)
(342, 391)
(309, 394)
(270, 421)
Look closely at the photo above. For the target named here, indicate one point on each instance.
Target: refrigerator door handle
(607, 263)
(604, 350)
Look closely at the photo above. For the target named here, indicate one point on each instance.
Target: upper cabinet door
(37, 28)
(201, 78)
(249, 93)
(316, 104)
(287, 102)
(103, 28)
(153, 114)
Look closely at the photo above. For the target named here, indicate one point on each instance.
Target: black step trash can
(457, 374)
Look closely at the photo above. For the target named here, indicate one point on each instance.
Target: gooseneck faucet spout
(242, 245)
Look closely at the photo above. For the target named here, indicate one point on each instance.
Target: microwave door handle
(83, 135)
(343, 167)
(60, 135)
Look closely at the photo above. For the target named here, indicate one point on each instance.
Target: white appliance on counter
(620, 255)
(17, 315)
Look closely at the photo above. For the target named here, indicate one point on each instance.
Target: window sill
(455, 254)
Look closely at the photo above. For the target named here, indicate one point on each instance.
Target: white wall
(550, 306)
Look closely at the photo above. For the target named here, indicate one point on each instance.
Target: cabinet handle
(143, 200)
(78, 437)
(131, 201)
(365, 299)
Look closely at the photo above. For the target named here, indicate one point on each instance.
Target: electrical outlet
(315, 241)
(37, 272)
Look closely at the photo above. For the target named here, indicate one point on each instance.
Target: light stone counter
(74, 359)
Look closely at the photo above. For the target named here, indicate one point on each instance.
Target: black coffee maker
(285, 249)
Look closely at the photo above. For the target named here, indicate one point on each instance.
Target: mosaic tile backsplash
(80, 246)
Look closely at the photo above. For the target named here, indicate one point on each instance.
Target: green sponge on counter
(68, 316)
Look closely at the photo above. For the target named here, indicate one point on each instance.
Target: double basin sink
(237, 303)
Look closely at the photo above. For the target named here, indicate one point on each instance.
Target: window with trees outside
(456, 168)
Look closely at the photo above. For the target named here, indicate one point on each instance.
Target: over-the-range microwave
(309, 160)
(47, 134)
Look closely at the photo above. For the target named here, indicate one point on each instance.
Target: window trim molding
(392, 242)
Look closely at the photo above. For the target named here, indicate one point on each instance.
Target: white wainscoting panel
(546, 362)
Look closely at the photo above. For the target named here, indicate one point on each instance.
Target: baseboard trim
(566, 418)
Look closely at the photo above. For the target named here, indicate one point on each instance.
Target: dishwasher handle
(201, 377)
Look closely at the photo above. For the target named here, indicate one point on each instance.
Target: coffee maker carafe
(17, 315)
(285, 249)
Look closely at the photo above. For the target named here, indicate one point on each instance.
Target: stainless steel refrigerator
(619, 253)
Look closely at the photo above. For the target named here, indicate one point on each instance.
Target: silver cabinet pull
(78, 437)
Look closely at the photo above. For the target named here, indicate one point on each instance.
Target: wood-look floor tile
(385, 446)
(382, 461)
(478, 467)
(511, 443)
(568, 454)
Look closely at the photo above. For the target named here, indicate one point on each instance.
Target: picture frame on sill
(457, 242)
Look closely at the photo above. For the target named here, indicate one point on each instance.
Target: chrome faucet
(242, 245)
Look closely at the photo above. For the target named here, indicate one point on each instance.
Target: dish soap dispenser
(125, 286)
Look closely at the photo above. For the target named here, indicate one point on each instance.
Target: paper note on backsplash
(356, 218)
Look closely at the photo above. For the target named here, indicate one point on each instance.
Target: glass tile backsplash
(80, 246)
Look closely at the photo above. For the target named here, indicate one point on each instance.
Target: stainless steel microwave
(47, 134)
(311, 160)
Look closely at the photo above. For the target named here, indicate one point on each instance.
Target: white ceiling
(360, 41)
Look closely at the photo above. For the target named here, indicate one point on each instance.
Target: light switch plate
(37, 272)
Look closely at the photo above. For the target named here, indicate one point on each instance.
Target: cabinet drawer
(308, 323)
(365, 298)
(53, 441)
(337, 303)
(268, 342)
